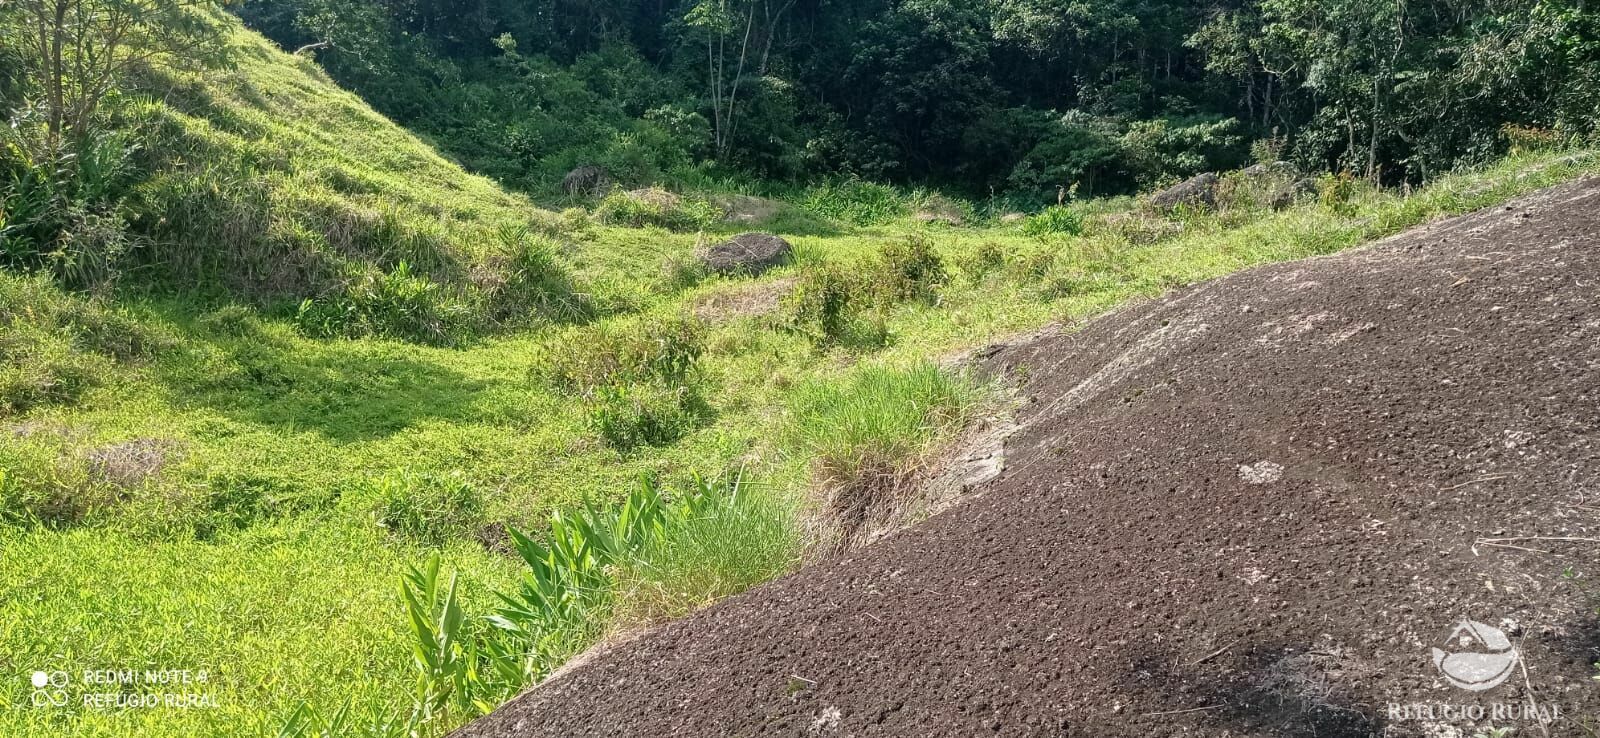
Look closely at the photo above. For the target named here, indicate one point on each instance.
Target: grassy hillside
(201, 471)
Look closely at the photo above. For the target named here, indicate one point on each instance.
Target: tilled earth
(1250, 508)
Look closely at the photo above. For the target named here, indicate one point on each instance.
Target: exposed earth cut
(1253, 507)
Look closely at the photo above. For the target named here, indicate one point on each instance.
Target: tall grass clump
(735, 537)
(399, 304)
(55, 346)
(1053, 221)
(907, 269)
(856, 202)
(877, 417)
(659, 208)
(660, 553)
(833, 307)
(430, 509)
(640, 380)
(867, 436)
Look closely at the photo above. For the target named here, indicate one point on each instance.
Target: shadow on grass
(346, 391)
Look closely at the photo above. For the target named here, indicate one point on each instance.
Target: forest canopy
(1023, 96)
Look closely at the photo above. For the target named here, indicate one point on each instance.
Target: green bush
(628, 416)
(1054, 220)
(428, 508)
(856, 202)
(528, 281)
(1337, 192)
(988, 257)
(398, 304)
(656, 207)
(908, 269)
(830, 305)
(639, 380)
(624, 352)
(62, 211)
(55, 346)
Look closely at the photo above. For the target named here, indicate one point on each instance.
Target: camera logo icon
(50, 689)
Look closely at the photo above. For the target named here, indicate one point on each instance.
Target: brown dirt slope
(1246, 509)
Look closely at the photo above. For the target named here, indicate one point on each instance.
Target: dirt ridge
(1249, 508)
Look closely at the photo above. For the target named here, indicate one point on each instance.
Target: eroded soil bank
(1251, 508)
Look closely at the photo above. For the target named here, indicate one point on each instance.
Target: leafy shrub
(674, 552)
(1054, 220)
(430, 509)
(398, 304)
(639, 380)
(644, 350)
(526, 280)
(988, 257)
(830, 305)
(1073, 154)
(908, 269)
(1173, 148)
(1337, 192)
(1524, 139)
(44, 480)
(937, 207)
(856, 202)
(61, 211)
(628, 416)
(655, 207)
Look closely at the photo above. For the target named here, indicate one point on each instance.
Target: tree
(737, 36)
(75, 52)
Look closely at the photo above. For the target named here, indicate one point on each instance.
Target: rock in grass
(747, 253)
(1199, 191)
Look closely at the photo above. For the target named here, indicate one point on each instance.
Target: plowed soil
(1249, 508)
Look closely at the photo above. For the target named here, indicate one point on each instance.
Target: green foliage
(628, 416)
(855, 202)
(428, 508)
(987, 258)
(1337, 192)
(1053, 221)
(622, 352)
(661, 553)
(399, 304)
(654, 207)
(639, 380)
(1073, 155)
(907, 269)
(832, 306)
(55, 346)
(740, 536)
(1165, 149)
(875, 417)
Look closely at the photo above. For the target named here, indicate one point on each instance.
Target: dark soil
(1249, 508)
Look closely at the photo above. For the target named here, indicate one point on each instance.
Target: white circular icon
(1485, 661)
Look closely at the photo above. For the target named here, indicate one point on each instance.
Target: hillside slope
(1248, 508)
(261, 179)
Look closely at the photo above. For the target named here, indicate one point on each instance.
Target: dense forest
(1020, 96)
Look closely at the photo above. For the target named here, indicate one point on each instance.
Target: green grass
(301, 471)
(875, 417)
(270, 544)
